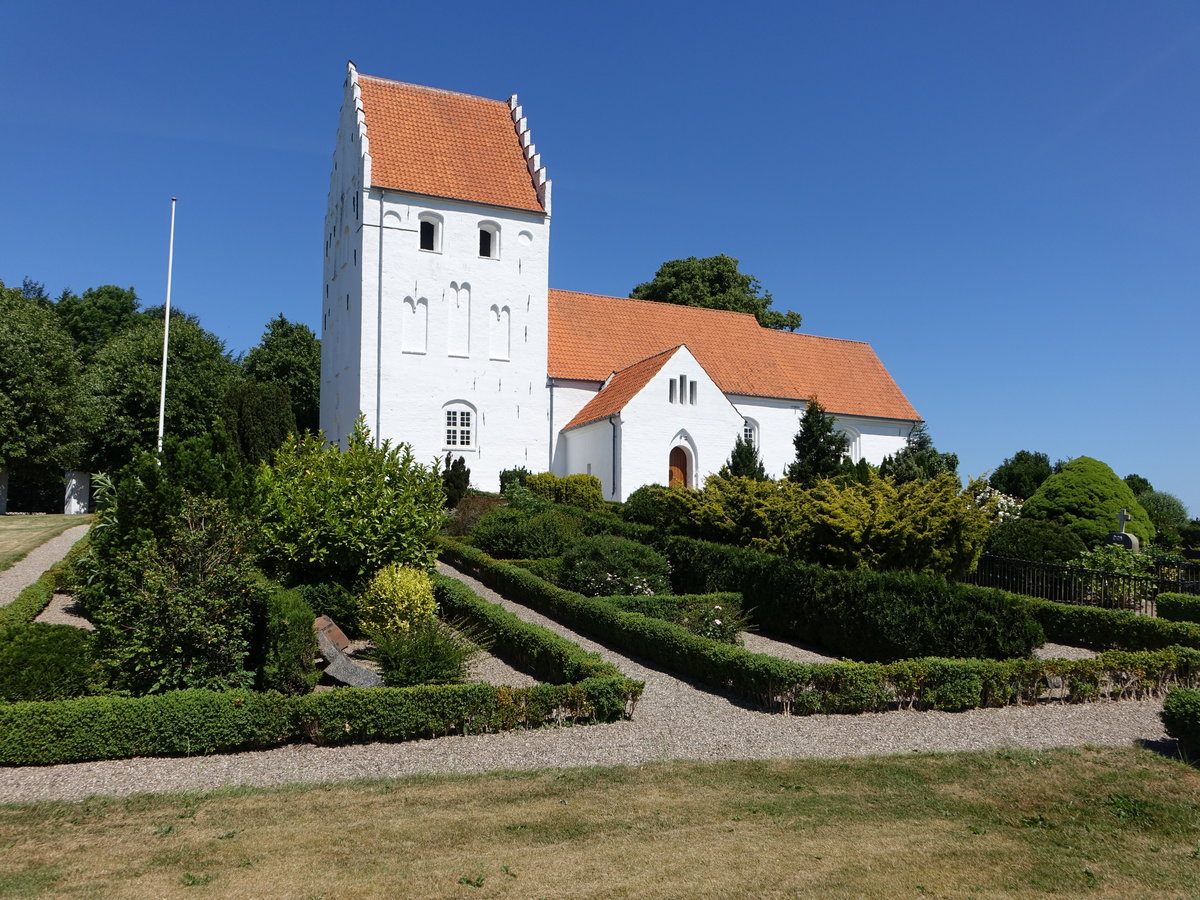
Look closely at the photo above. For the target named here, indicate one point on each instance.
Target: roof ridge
(706, 309)
(645, 360)
(432, 90)
(822, 337)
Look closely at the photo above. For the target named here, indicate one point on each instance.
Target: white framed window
(460, 428)
(750, 432)
(489, 240)
(431, 232)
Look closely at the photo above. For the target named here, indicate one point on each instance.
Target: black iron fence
(1090, 587)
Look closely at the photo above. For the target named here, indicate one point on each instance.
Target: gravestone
(335, 634)
(1123, 538)
(339, 666)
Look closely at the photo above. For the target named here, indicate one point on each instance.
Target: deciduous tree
(290, 354)
(1021, 474)
(714, 283)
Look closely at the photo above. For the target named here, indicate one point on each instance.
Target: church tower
(437, 240)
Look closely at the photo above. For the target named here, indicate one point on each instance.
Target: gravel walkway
(674, 720)
(63, 609)
(25, 572)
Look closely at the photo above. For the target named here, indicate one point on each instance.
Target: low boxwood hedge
(199, 722)
(29, 604)
(1181, 716)
(843, 687)
(1179, 607)
(1121, 628)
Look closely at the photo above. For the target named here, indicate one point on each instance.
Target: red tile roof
(592, 336)
(443, 144)
(621, 388)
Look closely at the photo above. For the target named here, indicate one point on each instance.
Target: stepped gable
(443, 144)
(592, 336)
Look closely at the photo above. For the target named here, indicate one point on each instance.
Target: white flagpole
(162, 391)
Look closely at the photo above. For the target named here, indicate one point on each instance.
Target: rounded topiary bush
(583, 491)
(509, 533)
(1181, 716)
(606, 565)
(45, 662)
(662, 507)
(396, 599)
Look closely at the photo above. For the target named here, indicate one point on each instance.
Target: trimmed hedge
(199, 722)
(871, 616)
(1070, 624)
(39, 661)
(844, 687)
(1179, 607)
(1181, 716)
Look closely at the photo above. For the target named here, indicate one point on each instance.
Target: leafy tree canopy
(290, 354)
(1138, 484)
(40, 396)
(1168, 515)
(259, 418)
(714, 283)
(819, 448)
(1085, 497)
(919, 460)
(93, 318)
(1021, 474)
(123, 383)
(744, 462)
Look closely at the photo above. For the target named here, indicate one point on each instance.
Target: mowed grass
(1093, 822)
(20, 534)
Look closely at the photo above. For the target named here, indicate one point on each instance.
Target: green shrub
(429, 652)
(335, 601)
(45, 662)
(606, 565)
(1181, 716)
(511, 533)
(542, 484)
(470, 509)
(1085, 496)
(29, 604)
(1036, 540)
(1070, 624)
(456, 480)
(1179, 607)
(715, 616)
(179, 611)
(328, 515)
(511, 477)
(581, 491)
(181, 723)
(665, 508)
(396, 599)
(289, 644)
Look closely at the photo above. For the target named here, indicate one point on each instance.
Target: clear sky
(1002, 198)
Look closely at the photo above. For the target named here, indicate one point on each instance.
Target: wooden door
(677, 474)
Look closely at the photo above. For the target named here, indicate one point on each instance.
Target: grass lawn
(20, 534)
(1095, 823)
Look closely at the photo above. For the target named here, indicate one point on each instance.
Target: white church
(439, 325)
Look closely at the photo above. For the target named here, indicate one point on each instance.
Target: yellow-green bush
(395, 599)
(542, 484)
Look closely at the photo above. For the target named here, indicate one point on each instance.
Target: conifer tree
(819, 448)
(744, 462)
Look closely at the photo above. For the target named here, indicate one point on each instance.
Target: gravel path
(63, 609)
(674, 720)
(26, 571)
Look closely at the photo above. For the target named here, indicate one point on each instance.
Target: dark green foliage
(1178, 607)
(667, 509)
(606, 565)
(1085, 497)
(288, 644)
(1138, 484)
(456, 480)
(819, 448)
(206, 465)
(1021, 474)
(41, 397)
(429, 652)
(511, 533)
(96, 316)
(1121, 628)
(510, 477)
(716, 616)
(744, 461)
(178, 611)
(289, 355)
(334, 600)
(327, 515)
(714, 283)
(123, 387)
(45, 662)
(470, 509)
(1181, 716)
(181, 723)
(919, 460)
(1034, 539)
(859, 614)
(829, 688)
(260, 417)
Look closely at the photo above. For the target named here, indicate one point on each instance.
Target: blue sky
(1002, 198)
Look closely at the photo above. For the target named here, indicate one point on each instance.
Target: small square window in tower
(428, 235)
(485, 243)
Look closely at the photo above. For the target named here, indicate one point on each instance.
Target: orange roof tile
(620, 389)
(443, 144)
(592, 336)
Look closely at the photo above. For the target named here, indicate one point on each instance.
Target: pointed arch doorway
(677, 473)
